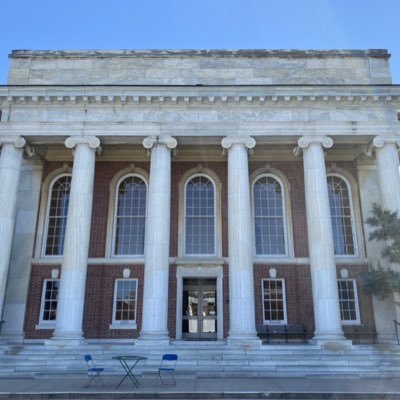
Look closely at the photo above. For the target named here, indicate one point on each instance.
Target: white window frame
(187, 180)
(46, 324)
(352, 216)
(284, 321)
(47, 216)
(114, 215)
(288, 237)
(124, 324)
(356, 321)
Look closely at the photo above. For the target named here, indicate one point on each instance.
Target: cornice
(197, 95)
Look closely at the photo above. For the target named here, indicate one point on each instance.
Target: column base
(12, 338)
(243, 340)
(73, 338)
(153, 339)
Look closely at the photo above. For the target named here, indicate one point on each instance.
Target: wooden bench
(286, 332)
(360, 334)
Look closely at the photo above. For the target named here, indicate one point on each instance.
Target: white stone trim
(201, 271)
(213, 177)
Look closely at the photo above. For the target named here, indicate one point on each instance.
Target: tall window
(125, 300)
(341, 215)
(269, 217)
(200, 217)
(130, 216)
(274, 301)
(57, 215)
(48, 308)
(348, 301)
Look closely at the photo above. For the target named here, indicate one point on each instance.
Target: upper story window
(200, 216)
(341, 215)
(130, 216)
(269, 216)
(57, 211)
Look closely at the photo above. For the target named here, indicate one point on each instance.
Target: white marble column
(320, 240)
(387, 158)
(77, 235)
(241, 283)
(156, 270)
(10, 171)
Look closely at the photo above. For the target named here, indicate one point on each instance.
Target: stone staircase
(205, 359)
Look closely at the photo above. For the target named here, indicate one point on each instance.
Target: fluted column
(241, 284)
(320, 240)
(156, 270)
(387, 158)
(10, 171)
(77, 235)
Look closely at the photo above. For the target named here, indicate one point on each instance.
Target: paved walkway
(191, 387)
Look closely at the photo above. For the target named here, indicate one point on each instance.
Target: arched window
(130, 216)
(57, 215)
(200, 216)
(269, 216)
(341, 215)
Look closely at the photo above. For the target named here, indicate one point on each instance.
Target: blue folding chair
(167, 367)
(93, 371)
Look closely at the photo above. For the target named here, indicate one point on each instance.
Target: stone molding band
(229, 141)
(150, 141)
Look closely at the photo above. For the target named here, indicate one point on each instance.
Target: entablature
(195, 94)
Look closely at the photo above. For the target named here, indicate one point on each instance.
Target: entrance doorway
(199, 309)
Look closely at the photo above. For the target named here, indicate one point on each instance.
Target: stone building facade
(193, 195)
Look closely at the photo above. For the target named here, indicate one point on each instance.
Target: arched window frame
(113, 205)
(43, 224)
(354, 210)
(188, 176)
(287, 216)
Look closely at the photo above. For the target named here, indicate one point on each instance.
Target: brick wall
(100, 278)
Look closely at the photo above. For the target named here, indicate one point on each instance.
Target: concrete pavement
(193, 387)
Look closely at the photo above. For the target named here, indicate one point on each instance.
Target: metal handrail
(397, 330)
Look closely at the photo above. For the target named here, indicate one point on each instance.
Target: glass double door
(199, 309)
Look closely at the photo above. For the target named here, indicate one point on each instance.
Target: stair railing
(396, 324)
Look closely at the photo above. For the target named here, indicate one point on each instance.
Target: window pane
(131, 217)
(339, 202)
(347, 300)
(268, 217)
(57, 215)
(273, 300)
(50, 299)
(125, 300)
(200, 216)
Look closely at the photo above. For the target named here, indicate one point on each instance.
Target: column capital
(379, 142)
(247, 141)
(18, 141)
(324, 141)
(306, 141)
(150, 141)
(92, 141)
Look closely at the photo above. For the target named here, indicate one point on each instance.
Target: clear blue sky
(199, 24)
